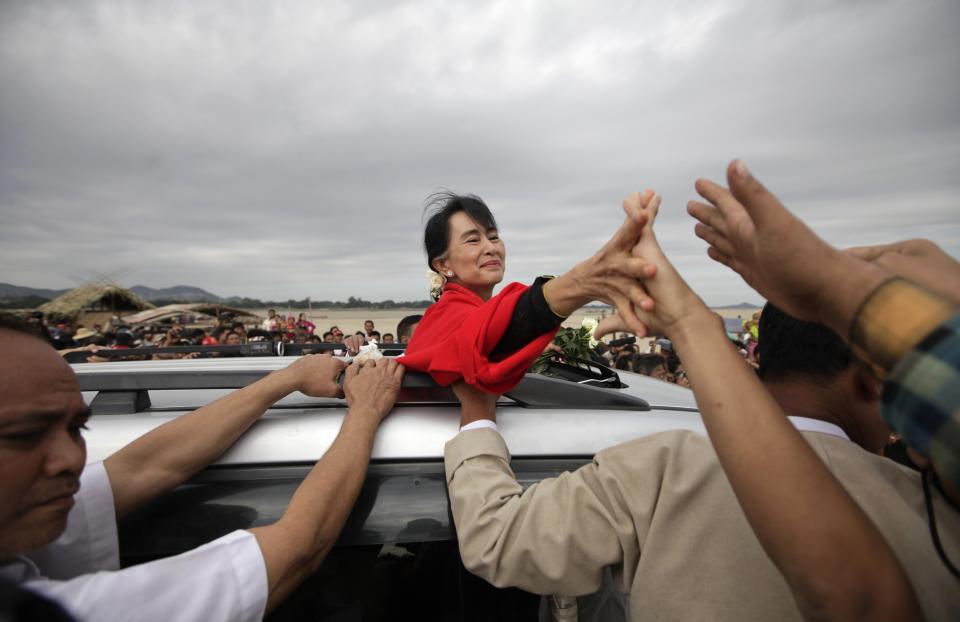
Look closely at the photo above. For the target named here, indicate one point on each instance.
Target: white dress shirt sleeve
(222, 580)
(480, 423)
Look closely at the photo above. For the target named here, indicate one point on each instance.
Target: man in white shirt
(58, 519)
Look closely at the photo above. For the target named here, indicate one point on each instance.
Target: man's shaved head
(42, 452)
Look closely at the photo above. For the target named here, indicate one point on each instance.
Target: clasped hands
(650, 296)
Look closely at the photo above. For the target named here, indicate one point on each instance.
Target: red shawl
(456, 335)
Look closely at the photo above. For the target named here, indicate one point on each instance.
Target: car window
(396, 557)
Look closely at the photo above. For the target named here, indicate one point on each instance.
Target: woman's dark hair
(440, 206)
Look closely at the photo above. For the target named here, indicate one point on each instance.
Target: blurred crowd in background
(654, 357)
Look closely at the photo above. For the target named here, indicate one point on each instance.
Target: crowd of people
(658, 361)
(67, 337)
(786, 508)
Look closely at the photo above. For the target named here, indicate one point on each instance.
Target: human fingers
(653, 208)
(636, 203)
(398, 369)
(629, 232)
(635, 266)
(866, 253)
(709, 215)
(713, 238)
(349, 377)
(628, 311)
(711, 191)
(609, 325)
(351, 372)
(627, 314)
(938, 278)
(762, 205)
(913, 247)
(352, 343)
(720, 257)
(332, 364)
(630, 289)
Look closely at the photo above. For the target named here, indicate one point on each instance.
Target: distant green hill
(9, 291)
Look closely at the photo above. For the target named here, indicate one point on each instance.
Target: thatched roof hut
(98, 298)
(211, 309)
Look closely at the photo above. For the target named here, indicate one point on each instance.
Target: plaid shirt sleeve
(911, 338)
(921, 398)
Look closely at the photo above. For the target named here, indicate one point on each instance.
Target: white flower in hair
(435, 282)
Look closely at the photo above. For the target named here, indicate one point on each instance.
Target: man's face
(368, 326)
(406, 338)
(388, 338)
(42, 452)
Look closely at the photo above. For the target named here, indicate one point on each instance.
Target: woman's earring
(449, 273)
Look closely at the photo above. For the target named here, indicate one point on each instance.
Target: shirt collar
(805, 424)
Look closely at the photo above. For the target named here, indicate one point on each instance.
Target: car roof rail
(298, 349)
(251, 348)
(127, 391)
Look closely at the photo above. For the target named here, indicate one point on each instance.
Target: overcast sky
(283, 150)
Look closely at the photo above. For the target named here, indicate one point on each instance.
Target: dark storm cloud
(285, 150)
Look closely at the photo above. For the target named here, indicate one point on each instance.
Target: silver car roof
(299, 429)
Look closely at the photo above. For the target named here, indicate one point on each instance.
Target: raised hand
(750, 231)
(353, 342)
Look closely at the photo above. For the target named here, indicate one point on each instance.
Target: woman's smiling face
(476, 257)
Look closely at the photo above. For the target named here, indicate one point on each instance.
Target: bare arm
(169, 455)
(294, 546)
(836, 562)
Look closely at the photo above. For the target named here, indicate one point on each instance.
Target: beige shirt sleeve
(556, 537)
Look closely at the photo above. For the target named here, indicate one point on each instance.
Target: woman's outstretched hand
(614, 274)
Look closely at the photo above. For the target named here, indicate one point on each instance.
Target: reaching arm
(807, 523)
(886, 300)
(169, 455)
(836, 562)
(294, 546)
(749, 230)
(556, 537)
